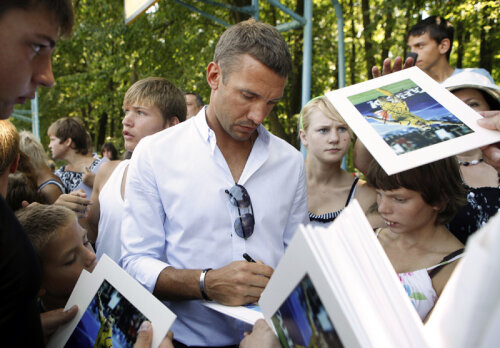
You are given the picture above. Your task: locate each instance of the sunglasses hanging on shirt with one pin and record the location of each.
(239, 197)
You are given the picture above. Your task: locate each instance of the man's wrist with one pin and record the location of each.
(202, 284)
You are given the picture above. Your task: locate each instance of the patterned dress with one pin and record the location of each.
(71, 180)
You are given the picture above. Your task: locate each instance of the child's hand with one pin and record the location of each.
(75, 201)
(261, 336)
(145, 336)
(51, 320)
(491, 153)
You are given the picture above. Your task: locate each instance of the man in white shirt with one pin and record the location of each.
(203, 193)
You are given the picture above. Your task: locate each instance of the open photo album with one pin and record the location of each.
(111, 307)
(406, 119)
(335, 287)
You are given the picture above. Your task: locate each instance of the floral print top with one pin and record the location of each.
(418, 284)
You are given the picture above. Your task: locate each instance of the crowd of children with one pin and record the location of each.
(422, 217)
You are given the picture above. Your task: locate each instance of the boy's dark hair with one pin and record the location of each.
(199, 100)
(62, 9)
(438, 182)
(72, 127)
(438, 29)
(20, 188)
(159, 92)
(493, 103)
(260, 40)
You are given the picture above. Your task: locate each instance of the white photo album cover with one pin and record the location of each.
(335, 287)
(111, 307)
(406, 119)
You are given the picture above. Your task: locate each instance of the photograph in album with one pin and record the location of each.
(407, 117)
(302, 319)
(109, 321)
(111, 308)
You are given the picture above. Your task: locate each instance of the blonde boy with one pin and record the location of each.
(150, 106)
(62, 247)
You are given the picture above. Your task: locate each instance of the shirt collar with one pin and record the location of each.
(208, 135)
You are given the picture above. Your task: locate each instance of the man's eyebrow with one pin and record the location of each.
(275, 100)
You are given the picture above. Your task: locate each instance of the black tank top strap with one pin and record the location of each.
(351, 192)
(444, 262)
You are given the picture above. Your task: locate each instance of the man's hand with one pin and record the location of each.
(387, 69)
(491, 152)
(145, 337)
(51, 320)
(76, 201)
(262, 336)
(238, 283)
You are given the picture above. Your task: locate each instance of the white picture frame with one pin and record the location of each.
(435, 125)
(125, 288)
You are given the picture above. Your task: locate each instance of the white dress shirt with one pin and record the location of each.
(178, 214)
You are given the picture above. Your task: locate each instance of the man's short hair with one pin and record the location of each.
(72, 127)
(41, 223)
(62, 9)
(260, 40)
(159, 92)
(438, 29)
(9, 144)
(199, 100)
(438, 182)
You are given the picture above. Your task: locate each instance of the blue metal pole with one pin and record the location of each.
(340, 42)
(34, 117)
(255, 5)
(307, 60)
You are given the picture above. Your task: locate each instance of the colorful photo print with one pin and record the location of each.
(109, 321)
(302, 320)
(406, 117)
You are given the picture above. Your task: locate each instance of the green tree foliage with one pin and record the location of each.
(96, 66)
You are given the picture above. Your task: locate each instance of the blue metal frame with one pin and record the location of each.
(34, 119)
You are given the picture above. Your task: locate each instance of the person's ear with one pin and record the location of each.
(172, 121)
(444, 46)
(214, 75)
(68, 142)
(303, 137)
(14, 164)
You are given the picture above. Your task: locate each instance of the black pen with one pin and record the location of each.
(248, 257)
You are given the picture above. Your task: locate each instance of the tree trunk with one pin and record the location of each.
(389, 25)
(460, 38)
(489, 40)
(101, 133)
(237, 16)
(352, 61)
(407, 29)
(367, 35)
